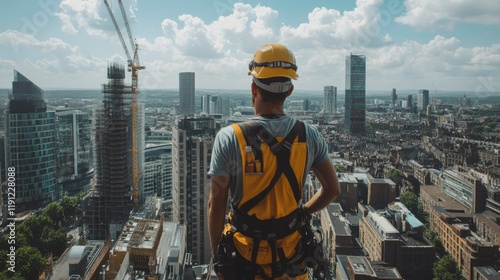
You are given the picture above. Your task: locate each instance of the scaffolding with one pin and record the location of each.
(110, 201)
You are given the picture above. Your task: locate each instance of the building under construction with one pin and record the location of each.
(110, 200)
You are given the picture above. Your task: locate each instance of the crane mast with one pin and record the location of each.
(134, 66)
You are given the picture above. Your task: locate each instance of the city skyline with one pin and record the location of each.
(408, 44)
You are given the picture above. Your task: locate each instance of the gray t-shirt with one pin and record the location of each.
(226, 157)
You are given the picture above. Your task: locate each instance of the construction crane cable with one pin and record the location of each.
(131, 38)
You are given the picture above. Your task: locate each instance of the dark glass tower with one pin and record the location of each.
(355, 92)
(30, 136)
(186, 93)
(423, 100)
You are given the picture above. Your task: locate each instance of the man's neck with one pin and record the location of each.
(269, 110)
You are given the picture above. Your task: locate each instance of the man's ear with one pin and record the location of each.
(289, 91)
(255, 89)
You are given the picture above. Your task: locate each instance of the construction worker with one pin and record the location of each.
(264, 162)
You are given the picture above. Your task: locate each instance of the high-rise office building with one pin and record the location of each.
(355, 94)
(192, 142)
(186, 93)
(205, 103)
(423, 100)
(110, 200)
(330, 99)
(409, 101)
(394, 98)
(30, 145)
(215, 105)
(74, 151)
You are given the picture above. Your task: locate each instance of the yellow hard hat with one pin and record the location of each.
(273, 60)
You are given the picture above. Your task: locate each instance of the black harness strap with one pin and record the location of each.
(282, 153)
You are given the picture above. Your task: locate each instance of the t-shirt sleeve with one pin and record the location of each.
(320, 147)
(220, 161)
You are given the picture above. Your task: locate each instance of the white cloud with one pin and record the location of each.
(361, 27)
(442, 61)
(47, 66)
(92, 17)
(222, 48)
(17, 39)
(160, 44)
(81, 62)
(424, 14)
(245, 29)
(219, 51)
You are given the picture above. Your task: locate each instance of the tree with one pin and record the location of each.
(69, 205)
(7, 275)
(477, 129)
(340, 169)
(53, 241)
(446, 269)
(55, 212)
(433, 237)
(410, 200)
(29, 262)
(369, 128)
(395, 176)
(32, 227)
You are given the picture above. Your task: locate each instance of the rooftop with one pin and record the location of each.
(384, 228)
(138, 234)
(339, 222)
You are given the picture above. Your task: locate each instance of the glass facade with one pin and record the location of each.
(74, 151)
(423, 100)
(186, 93)
(355, 104)
(30, 147)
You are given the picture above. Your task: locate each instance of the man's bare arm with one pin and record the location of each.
(330, 188)
(217, 209)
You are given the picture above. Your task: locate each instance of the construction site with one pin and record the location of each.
(119, 146)
(110, 200)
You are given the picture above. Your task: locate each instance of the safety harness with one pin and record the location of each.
(274, 229)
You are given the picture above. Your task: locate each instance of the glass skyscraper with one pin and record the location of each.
(186, 93)
(355, 92)
(30, 136)
(423, 100)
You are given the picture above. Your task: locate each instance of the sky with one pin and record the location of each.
(446, 45)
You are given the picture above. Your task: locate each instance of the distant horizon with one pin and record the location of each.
(319, 91)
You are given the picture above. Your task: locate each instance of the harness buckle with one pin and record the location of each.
(287, 145)
(293, 223)
(258, 234)
(276, 148)
(271, 236)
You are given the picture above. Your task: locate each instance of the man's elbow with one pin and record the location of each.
(333, 192)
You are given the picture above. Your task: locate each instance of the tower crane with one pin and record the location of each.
(134, 66)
